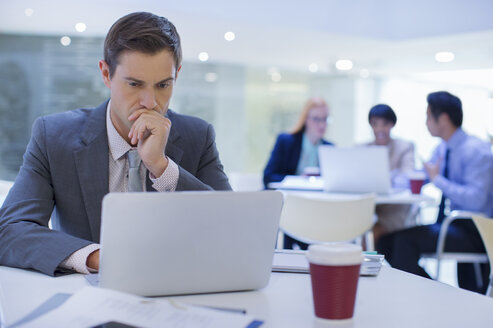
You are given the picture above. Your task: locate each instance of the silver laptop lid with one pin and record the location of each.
(356, 170)
(188, 242)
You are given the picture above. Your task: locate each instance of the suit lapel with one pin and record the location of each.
(172, 150)
(93, 166)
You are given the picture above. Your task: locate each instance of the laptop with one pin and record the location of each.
(355, 170)
(155, 244)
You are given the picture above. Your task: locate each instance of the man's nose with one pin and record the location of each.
(148, 99)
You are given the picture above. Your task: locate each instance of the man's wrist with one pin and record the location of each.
(159, 169)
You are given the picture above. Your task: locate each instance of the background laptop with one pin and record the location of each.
(188, 242)
(355, 170)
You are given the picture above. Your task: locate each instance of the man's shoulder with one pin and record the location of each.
(183, 120)
(70, 123)
(75, 116)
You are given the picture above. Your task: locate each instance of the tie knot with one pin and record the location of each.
(133, 158)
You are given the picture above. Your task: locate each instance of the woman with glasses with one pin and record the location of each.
(296, 152)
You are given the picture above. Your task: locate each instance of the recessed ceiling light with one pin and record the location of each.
(29, 12)
(65, 41)
(344, 64)
(211, 77)
(229, 36)
(80, 27)
(203, 56)
(444, 56)
(364, 73)
(313, 67)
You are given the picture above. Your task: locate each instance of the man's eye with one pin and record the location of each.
(133, 84)
(163, 85)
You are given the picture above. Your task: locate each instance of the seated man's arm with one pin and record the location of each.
(472, 192)
(25, 239)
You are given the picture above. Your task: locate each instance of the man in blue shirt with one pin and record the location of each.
(462, 168)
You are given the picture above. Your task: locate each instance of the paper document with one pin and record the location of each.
(286, 260)
(92, 306)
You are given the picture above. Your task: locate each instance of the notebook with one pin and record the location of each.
(355, 170)
(155, 244)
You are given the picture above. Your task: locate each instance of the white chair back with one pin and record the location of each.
(245, 181)
(4, 189)
(319, 217)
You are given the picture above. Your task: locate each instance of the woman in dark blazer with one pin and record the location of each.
(296, 151)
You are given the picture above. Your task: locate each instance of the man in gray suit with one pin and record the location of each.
(74, 158)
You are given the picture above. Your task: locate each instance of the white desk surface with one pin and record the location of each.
(401, 197)
(393, 299)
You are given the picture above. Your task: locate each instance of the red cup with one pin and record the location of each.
(416, 185)
(416, 181)
(334, 271)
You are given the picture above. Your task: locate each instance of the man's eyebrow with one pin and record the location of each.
(171, 78)
(128, 78)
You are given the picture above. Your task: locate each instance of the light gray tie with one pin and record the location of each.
(134, 180)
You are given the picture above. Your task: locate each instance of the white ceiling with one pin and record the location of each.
(397, 36)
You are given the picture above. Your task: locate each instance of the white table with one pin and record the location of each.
(313, 187)
(401, 197)
(393, 299)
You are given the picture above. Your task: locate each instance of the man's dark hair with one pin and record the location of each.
(443, 102)
(143, 32)
(382, 111)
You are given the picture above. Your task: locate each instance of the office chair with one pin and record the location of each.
(317, 217)
(485, 227)
(245, 181)
(459, 257)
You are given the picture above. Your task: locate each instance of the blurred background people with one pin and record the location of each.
(391, 218)
(462, 168)
(296, 152)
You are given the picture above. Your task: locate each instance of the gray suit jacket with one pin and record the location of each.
(65, 175)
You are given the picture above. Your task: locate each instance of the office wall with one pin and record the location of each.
(247, 108)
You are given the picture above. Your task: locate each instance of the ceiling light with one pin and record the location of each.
(275, 77)
(444, 56)
(229, 36)
(29, 12)
(65, 41)
(210, 77)
(364, 73)
(344, 64)
(313, 67)
(203, 56)
(80, 27)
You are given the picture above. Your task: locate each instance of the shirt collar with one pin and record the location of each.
(456, 139)
(308, 144)
(118, 146)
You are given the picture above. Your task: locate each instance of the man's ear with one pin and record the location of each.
(444, 118)
(178, 70)
(105, 73)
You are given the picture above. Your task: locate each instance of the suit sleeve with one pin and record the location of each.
(209, 174)
(26, 241)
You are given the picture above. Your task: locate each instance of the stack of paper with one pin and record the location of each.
(93, 306)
